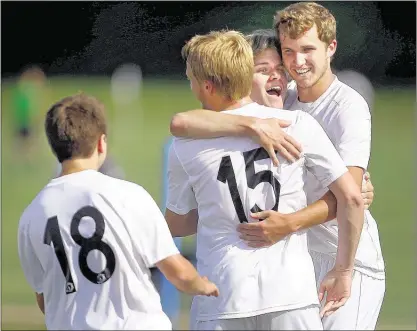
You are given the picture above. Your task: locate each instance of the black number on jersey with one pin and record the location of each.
(227, 175)
(53, 235)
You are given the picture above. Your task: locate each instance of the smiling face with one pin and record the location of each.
(270, 79)
(307, 58)
(307, 34)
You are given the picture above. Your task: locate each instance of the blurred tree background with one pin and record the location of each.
(375, 38)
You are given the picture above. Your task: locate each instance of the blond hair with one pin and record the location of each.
(296, 19)
(224, 58)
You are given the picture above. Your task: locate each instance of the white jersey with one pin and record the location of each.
(87, 242)
(225, 178)
(345, 116)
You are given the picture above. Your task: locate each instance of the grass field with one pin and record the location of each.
(137, 146)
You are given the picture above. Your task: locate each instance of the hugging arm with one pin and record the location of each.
(268, 133)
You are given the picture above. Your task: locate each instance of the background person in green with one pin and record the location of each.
(27, 99)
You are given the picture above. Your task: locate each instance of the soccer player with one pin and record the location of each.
(215, 184)
(307, 33)
(87, 240)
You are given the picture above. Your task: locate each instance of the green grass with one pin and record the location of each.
(137, 146)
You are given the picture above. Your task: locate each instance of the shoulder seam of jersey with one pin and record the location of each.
(179, 160)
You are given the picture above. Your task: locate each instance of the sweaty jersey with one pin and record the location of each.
(345, 117)
(87, 242)
(227, 178)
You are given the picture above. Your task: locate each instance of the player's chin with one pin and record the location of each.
(275, 101)
(306, 83)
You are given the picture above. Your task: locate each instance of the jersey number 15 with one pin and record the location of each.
(227, 175)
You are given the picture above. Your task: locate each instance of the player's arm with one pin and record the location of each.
(319, 212)
(181, 212)
(324, 209)
(201, 123)
(275, 225)
(336, 285)
(350, 208)
(182, 274)
(357, 174)
(182, 225)
(40, 301)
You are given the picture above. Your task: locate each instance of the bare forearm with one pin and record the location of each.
(318, 212)
(190, 283)
(181, 273)
(203, 123)
(350, 213)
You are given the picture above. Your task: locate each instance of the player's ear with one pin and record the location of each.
(209, 87)
(101, 147)
(331, 49)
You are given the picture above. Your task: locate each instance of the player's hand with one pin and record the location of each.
(274, 227)
(269, 134)
(335, 289)
(209, 288)
(367, 191)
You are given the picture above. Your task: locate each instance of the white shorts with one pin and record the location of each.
(307, 318)
(361, 310)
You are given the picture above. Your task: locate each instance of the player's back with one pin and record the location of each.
(231, 177)
(84, 229)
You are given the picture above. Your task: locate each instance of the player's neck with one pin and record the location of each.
(234, 104)
(311, 94)
(77, 165)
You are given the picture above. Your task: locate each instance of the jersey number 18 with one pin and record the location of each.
(53, 235)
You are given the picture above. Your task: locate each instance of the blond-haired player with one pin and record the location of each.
(215, 184)
(307, 34)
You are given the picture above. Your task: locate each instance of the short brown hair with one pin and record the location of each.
(224, 58)
(299, 17)
(74, 125)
